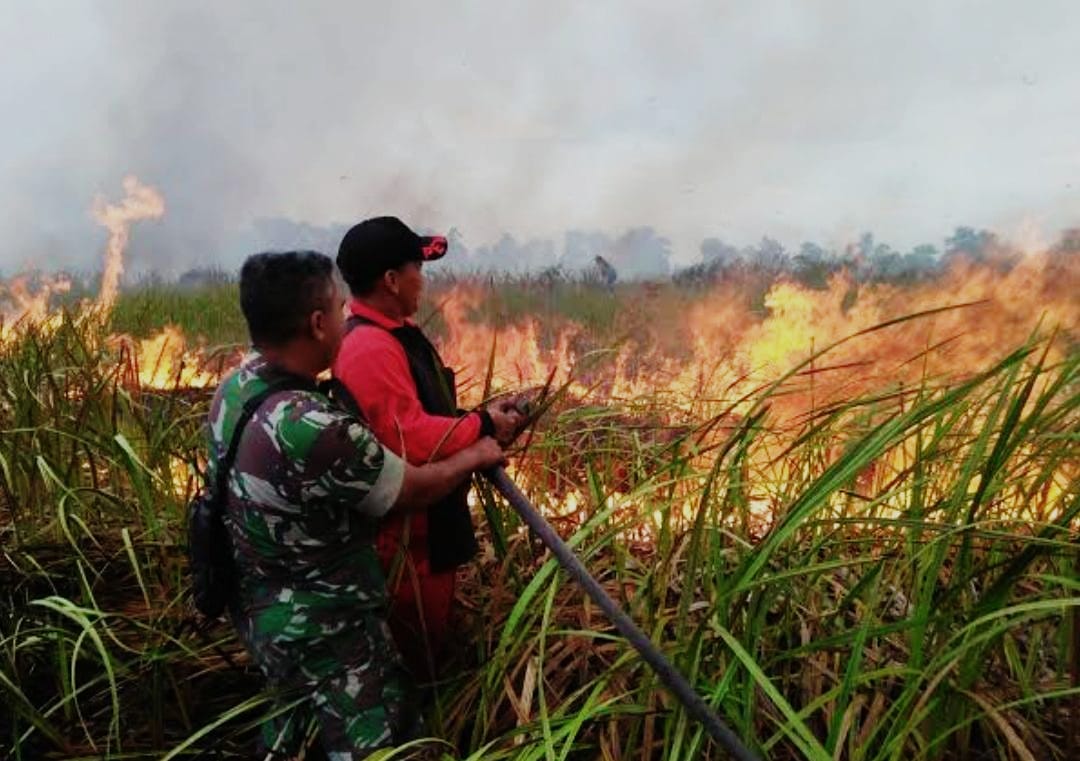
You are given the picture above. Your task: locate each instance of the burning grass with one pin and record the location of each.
(863, 551)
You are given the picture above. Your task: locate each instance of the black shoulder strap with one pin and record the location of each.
(221, 483)
(355, 320)
(434, 381)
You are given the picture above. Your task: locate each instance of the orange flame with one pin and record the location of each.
(140, 202)
(26, 302)
(716, 348)
(694, 358)
(164, 361)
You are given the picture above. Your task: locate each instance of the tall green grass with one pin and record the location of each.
(895, 579)
(210, 312)
(925, 612)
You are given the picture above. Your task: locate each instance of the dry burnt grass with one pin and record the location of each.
(897, 578)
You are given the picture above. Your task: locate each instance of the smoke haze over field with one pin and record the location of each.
(684, 121)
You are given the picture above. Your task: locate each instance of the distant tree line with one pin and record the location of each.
(642, 253)
(867, 260)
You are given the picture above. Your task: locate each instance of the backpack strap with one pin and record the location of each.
(353, 321)
(251, 406)
(434, 381)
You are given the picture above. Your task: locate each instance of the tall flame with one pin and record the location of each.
(160, 361)
(140, 202)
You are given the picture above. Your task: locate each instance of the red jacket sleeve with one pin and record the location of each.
(374, 369)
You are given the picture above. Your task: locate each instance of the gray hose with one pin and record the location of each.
(697, 708)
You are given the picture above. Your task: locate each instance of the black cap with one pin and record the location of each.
(383, 243)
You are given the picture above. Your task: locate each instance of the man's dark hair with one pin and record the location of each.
(360, 283)
(279, 291)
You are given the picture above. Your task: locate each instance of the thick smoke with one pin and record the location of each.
(641, 129)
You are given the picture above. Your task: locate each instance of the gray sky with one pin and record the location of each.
(800, 120)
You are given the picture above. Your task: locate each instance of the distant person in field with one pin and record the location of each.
(408, 397)
(607, 273)
(308, 486)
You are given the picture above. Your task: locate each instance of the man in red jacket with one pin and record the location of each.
(408, 398)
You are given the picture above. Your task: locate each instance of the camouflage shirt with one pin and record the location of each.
(305, 493)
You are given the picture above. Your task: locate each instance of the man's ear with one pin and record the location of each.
(390, 280)
(317, 324)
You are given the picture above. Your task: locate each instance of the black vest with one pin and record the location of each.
(451, 538)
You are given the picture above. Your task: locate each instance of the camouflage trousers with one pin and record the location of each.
(347, 692)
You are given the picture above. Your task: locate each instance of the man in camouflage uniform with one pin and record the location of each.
(306, 491)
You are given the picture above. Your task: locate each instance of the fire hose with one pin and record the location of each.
(695, 706)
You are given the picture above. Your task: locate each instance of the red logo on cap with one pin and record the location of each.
(435, 247)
